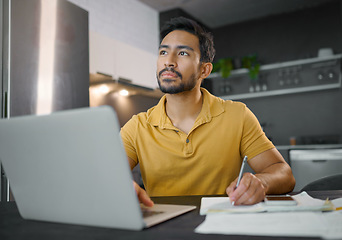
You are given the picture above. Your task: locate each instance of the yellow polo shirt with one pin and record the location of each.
(203, 162)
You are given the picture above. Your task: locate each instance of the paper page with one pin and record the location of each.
(223, 205)
(337, 203)
(305, 224)
(333, 223)
(305, 202)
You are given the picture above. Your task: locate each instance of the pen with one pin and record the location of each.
(240, 174)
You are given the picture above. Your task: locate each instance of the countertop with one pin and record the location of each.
(316, 146)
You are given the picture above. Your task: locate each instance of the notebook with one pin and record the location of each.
(71, 167)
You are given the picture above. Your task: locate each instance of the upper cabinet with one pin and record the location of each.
(121, 60)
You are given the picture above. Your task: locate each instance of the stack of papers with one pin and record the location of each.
(306, 219)
(304, 203)
(304, 224)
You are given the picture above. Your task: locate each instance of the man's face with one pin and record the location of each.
(178, 65)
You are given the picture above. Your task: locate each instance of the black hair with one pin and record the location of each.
(206, 40)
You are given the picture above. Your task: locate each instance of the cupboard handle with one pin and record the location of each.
(319, 161)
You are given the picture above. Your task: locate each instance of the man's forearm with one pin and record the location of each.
(277, 179)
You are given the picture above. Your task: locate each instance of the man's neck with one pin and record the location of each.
(183, 108)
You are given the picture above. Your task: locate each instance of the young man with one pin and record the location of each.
(192, 143)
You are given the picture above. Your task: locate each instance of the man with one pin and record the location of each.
(192, 143)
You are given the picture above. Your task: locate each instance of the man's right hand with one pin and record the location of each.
(142, 195)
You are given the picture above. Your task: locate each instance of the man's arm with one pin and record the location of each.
(272, 176)
(141, 193)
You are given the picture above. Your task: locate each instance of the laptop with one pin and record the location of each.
(71, 167)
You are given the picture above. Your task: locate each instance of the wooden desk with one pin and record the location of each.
(12, 226)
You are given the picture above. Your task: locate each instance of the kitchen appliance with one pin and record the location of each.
(45, 59)
(309, 165)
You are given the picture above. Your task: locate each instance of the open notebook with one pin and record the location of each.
(71, 167)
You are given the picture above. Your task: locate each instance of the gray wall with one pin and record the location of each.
(289, 37)
(126, 107)
(305, 114)
(285, 37)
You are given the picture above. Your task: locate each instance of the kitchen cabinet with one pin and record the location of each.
(101, 54)
(121, 60)
(312, 164)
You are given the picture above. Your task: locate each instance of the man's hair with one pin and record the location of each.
(205, 38)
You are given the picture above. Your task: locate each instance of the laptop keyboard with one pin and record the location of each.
(148, 212)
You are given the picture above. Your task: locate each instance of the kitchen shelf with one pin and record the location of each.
(315, 63)
(281, 92)
(281, 65)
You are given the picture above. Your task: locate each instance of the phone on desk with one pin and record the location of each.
(278, 200)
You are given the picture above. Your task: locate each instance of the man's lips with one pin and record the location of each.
(169, 75)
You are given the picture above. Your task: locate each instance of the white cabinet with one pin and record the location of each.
(313, 164)
(101, 54)
(121, 60)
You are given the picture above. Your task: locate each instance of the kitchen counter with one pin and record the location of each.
(284, 149)
(316, 146)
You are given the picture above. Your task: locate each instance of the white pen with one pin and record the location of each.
(240, 174)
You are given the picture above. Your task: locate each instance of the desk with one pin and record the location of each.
(12, 226)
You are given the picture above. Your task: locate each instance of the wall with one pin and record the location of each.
(288, 37)
(285, 37)
(299, 115)
(127, 21)
(177, 12)
(126, 107)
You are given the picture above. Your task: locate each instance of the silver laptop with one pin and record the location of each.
(71, 167)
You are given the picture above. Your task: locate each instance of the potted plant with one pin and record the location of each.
(251, 63)
(224, 66)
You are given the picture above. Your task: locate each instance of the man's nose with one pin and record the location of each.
(170, 61)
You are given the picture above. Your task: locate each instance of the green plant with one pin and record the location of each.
(251, 63)
(224, 66)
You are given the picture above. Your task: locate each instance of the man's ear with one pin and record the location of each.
(206, 69)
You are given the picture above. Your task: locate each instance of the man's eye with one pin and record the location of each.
(162, 52)
(183, 53)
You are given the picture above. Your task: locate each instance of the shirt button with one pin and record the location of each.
(187, 140)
